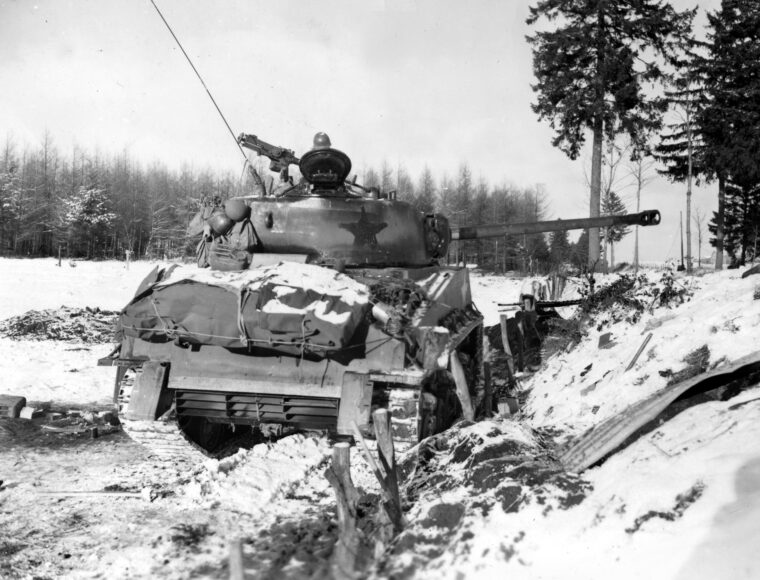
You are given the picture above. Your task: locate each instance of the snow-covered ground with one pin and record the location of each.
(681, 502)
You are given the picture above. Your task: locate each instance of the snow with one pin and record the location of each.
(249, 480)
(60, 371)
(681, 502)
(283, 276)
(38, 284)
(722, 315)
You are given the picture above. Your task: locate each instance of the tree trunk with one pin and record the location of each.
(596, 188)
(719, 219)
(636, 228)
(688, 204)
(596, 153)
(612, 256)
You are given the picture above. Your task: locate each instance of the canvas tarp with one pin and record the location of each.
(287, 307)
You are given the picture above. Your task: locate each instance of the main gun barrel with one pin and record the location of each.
(645, 218)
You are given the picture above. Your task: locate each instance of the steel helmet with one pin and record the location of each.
(236, 209)
(321, 141)
(220, 223)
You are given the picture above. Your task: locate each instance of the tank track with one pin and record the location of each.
(163, 437)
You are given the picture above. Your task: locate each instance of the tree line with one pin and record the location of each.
(89, 205)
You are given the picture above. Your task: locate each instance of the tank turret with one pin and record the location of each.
(330, 220)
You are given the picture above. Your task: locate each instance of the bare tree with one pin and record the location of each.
(611, 182)
(640, 169)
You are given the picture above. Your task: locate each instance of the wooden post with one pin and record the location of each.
(341, 465)
(487, 390)
(505, 345)
(390, 503)
(343, 563)
(463, 392)
(237, 572)
(382, 424)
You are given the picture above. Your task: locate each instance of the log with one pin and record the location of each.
(463, 392)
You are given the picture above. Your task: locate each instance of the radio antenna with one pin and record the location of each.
(210, 96)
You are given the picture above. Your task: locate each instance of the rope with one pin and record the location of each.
(267, 341)
(169, 332)
(240, 320)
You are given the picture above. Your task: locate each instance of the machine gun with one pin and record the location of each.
(279, 157)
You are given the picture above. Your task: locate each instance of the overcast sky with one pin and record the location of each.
(411, 82)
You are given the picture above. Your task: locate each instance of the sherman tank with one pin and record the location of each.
(322, 302)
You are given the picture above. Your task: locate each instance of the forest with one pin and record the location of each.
(87, 205)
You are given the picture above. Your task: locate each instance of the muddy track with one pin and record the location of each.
(79, 507)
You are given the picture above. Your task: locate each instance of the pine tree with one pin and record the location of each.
(579, 251)
(741, 222)
(88, 215)
(591, 69)
(10, 196)
(730, 121)
(425, 198)
(559, 247)
(404, 185)
(387, 180)
(613, 205)
(370, 178)
(681, 148)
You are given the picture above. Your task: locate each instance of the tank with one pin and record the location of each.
(323, 302)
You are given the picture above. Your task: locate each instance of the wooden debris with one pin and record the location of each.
(463, 391)
(367, 455)
(391, 503)
(638, 352)
(508, 406)
(603, 439)
(487, 390)
(605, 340)
(382, 424)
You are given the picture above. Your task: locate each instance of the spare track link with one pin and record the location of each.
(162, 438)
